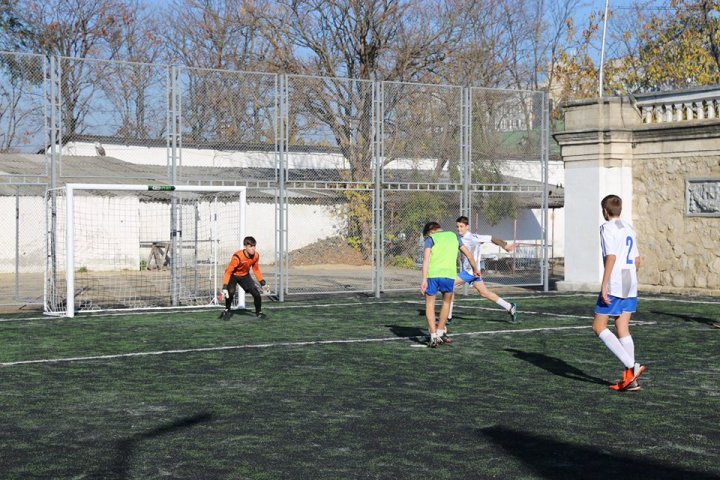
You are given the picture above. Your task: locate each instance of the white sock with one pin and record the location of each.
(503, 304)
(440, 332)
(612, 342)
(629, 346)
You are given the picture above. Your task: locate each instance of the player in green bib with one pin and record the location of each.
(439, 271)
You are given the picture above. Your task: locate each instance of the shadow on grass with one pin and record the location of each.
(555, 366)
(711, 322)
(413, 333)
(421, 313)
(456, 316)
(119, 468)
(242, 314)
(552, 458)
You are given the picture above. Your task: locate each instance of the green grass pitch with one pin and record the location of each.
(341, 388)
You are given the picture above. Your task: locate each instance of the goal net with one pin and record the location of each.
(139, 247)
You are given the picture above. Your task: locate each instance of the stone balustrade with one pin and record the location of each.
(680, 105)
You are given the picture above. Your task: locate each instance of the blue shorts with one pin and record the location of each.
(617, 306)
(444, 285)
(469, 277)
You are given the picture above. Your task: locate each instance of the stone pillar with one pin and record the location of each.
(597, 150)
(665, 167)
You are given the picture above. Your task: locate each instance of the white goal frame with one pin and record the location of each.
(71, 188)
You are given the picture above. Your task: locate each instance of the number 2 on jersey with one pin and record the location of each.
(629, 243)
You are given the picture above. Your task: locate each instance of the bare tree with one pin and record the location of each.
(137, 87)
(71, 28)
(21, 109)
(534, 35)
(395, 40)
(362, 39)
(481, 57)
(217, 34)
(218, 39)
(12, 30)
(359, 40)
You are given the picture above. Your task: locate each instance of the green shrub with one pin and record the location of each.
(401, 262)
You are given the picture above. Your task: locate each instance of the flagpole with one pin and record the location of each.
(602, 51)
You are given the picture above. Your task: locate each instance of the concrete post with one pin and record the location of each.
(597, 150)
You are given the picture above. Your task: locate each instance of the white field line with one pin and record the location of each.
(459, 304)
(283, 344)
(521, 312)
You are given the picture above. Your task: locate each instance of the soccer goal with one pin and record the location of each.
(140, 247)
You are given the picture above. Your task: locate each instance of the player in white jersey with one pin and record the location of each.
(473, 242)
(618, 290)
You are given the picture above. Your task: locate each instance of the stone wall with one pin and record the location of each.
(678, 252)
(645, 149)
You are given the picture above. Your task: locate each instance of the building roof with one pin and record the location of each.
(27, 170)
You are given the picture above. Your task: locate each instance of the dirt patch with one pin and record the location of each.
(333, 250)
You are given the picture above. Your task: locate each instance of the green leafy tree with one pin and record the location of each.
(575, 72)
(674, 48)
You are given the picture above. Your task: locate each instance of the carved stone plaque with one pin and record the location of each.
(702, 197)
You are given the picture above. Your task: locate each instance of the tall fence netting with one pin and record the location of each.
(340, 174)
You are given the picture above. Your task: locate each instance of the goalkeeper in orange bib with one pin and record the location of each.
(238, 273)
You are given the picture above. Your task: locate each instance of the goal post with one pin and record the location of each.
(140, 246)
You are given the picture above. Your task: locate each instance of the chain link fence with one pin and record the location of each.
(341, 174)
(102, 100)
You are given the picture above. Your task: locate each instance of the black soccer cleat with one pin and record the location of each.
(260, 316)
(513, 313)
(226, 314)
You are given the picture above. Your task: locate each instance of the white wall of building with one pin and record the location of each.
(111, 233)
(306, 223)
(29, 242)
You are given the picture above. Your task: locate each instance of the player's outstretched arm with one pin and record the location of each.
(507, 246)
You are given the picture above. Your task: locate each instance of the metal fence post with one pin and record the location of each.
(545, 156)
(378, 210)
(174, 132)
(53, 123)
(281, 209)
(465, 147)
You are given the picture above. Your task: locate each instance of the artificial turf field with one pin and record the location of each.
(342, 388)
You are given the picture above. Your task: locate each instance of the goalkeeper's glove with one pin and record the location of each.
(225, 293)
(265, 287)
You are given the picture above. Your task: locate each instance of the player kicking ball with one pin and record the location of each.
(618, 290)
(473, 242)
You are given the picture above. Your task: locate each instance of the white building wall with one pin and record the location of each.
(29, 242)
(306, 223)
(107, 233)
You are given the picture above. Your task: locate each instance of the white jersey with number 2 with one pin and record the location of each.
(618, 238)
